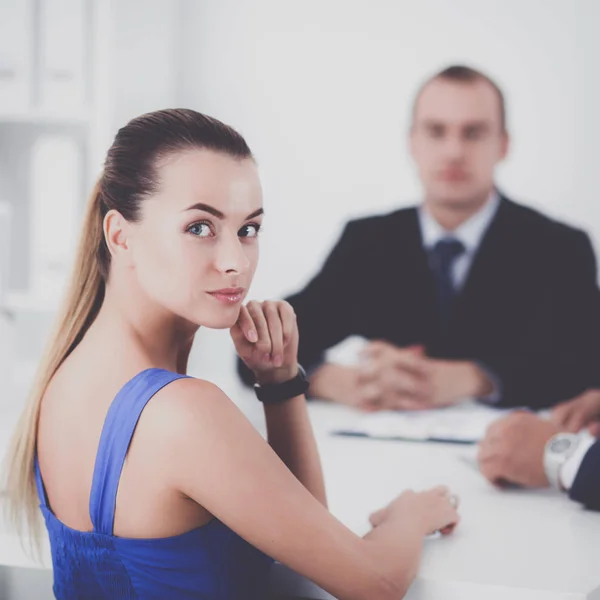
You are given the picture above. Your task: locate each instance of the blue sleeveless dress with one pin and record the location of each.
(210, 562)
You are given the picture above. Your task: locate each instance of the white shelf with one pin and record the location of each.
(44, 117)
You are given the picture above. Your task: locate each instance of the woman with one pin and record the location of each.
(152, 483)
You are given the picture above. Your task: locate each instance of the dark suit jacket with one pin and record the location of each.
(529, 310)
(586, 487)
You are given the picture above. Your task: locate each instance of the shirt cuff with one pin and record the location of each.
(496, 394)
(569, 470)
(347, 352)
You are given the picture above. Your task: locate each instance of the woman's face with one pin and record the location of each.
(195, 249)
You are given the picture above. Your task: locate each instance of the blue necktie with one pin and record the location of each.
(442, 256)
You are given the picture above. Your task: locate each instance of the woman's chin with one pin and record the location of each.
(221, 321)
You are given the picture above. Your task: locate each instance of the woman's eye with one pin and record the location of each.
(200, 229)
(250, 230)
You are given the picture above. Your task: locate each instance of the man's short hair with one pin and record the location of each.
(464, 74)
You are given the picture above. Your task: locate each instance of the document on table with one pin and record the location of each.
(465, 423)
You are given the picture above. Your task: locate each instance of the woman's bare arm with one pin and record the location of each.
(266, 337)
(291, 436)
(217, 458)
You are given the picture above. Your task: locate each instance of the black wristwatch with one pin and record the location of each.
(274, 393)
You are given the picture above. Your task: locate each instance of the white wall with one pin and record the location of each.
(322, 90)
(137, 65)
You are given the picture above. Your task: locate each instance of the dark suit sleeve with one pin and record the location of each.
(558, 356)
(324, 307)
(586, 487)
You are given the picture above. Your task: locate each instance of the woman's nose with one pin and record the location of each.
(231, 257)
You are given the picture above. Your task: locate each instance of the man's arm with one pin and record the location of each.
(586, 485)
(559, 355)
(513, 451)
(324, 307)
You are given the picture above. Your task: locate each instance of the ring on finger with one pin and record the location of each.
(454, 500)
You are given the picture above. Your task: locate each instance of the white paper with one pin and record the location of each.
(466, 422)
(347, 353)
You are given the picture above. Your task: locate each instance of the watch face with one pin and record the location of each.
(560, 445)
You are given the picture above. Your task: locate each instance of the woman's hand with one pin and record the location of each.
(266, 339)
(433, 510)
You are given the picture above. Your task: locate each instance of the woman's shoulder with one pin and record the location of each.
(184, 405)
(187, 393)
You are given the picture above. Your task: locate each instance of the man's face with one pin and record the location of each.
(457, 139)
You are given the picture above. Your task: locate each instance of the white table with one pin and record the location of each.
(517, 545)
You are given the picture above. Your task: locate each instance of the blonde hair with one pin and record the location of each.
(81, 305)
(129, 175)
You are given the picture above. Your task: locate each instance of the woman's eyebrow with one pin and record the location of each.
(217, 213)
(255, 214)
(206, 208)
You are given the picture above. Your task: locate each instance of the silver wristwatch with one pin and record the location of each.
(558, 450)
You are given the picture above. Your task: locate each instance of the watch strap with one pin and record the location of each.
(274, 393)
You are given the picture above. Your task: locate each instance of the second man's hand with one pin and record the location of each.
(579, 413)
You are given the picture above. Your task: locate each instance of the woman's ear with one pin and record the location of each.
(116, 233)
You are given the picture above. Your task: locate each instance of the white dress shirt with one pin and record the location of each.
(569, 470)
(470, 233)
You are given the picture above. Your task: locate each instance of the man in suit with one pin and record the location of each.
(528, 451)
(468, 294)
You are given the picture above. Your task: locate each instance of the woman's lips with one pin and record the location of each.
(228, 295)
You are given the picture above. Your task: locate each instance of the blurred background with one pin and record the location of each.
(322, 91)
